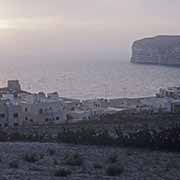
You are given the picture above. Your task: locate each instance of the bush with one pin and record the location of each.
(73, 159)
(114, 170)
(14, 164)
(62, 172)
(87, 136)
(32, 158)
(113, 158)
(55, 162)
(15, 137)
(51, 152)
(3, 136)
(97, 166)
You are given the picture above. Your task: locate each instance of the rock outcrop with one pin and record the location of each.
(163, 50)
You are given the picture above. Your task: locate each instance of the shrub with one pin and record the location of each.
(14, 164)
(34, 168)
(56, 162)
(113, 158)
(114, 170)
(73, 159)
(62, 172)
(172, 164)
(97, 166)
(3, 136)
(51, 152)
(32, 158)
(15, 137)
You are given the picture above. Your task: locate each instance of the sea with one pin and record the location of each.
(92, 79)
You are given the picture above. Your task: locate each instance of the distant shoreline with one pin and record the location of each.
(156, 64)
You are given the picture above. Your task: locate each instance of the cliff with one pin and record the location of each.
(163, 50)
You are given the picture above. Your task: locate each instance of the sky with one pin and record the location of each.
(61, 30)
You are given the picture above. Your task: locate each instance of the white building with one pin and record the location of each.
(150, 104)
(124, 103)
(95, 104)
(39, 109)
(23, 108)
(173, 92)
(78, 115)
(155, 104)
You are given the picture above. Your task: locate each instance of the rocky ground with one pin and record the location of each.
(45, 161)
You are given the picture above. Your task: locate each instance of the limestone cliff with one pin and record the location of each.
(157, 50)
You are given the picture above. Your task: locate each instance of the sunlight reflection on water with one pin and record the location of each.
(94, 79)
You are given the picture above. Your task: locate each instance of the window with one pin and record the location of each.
(26, 109)
(46, 119)
(6, 125)
(16, 124)
(69, 117)
(31, 120)
(40, 111)
(57, 118)
(26, 118)
(15, 115)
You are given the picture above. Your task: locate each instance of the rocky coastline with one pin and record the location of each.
(159, 50)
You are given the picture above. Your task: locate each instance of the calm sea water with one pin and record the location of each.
(93, 79)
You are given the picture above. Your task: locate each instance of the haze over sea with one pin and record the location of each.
(93, 79)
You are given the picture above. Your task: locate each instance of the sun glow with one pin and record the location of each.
(5, 24)
(30, 23)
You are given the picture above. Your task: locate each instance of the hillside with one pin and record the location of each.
(39, 161)
(163, 50)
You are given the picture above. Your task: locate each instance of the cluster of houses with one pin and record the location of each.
(21, 108)
(174, 94)
(18, 107)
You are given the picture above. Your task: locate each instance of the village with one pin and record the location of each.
(21, 108)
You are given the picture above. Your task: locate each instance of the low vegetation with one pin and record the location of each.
(55, 161)
(113, 158)
(13, 164)
(98, 166)
(62, 172)
(150, 138)
(164, 139)
(33, 157)
(51, 152)
(85, 162)
(73, 159)
(114, 170)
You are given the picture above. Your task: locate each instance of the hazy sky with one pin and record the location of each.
(47, 30)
